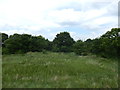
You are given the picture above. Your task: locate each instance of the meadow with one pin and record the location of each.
(58, 70)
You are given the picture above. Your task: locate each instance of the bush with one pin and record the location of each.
(63, 42)
(84, 54)
(79, 48)
(5, 51)
(65, 49)
(44, 51)
(19, 52)
(55, 48)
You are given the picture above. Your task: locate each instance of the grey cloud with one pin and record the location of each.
(69, 23)
(99, 5)
(112, 7)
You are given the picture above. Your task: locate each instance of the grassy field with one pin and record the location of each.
(58, 70)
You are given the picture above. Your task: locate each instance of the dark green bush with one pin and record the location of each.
(5, 51)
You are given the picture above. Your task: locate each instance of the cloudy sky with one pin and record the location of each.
(82, 18)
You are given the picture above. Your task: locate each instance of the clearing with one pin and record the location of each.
(58, 70)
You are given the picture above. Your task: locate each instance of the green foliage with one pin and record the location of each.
(22, 43)
(88, 45)
(80, 48)
(49, 45)
(17, 43)
(55, 48)
(44, 51)
(108, 45)
(5, 51)
(37, 43)
(3, 37)
(96, 48)
(63, 42)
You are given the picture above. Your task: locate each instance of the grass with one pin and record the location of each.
(58, 70)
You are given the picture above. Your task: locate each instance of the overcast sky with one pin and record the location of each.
(82, 18)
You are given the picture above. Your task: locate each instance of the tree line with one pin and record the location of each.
(107, 45)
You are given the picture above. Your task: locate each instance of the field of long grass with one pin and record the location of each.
(58, 70)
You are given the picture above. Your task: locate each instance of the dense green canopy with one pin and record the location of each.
(108, 45)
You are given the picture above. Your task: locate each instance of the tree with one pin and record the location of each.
(63, 42)
(88, 45)
(17, 43)
(49, 45)
(3, 37)
(112, 42)
(96, 46)
(108, 45)
(37, 43)
(22, 43)
(112, 34)
(80, 48)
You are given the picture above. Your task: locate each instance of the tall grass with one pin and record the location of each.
(58, 70)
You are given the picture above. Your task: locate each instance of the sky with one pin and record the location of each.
(83, 19)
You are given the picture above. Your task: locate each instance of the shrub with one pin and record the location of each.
(44, 51)
(5, 51)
